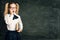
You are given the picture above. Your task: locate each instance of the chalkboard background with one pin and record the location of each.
(41, 19)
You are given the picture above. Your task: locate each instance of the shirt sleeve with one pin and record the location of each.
(8, 20)
(20, 23)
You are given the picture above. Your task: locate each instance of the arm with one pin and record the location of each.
(20, 25)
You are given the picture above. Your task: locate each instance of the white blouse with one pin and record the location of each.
(11, 24)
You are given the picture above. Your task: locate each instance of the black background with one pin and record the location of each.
(41, 19)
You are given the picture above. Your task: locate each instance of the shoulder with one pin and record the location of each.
(6, 15)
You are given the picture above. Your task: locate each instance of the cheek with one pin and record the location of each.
(14, 9)
(10, 10)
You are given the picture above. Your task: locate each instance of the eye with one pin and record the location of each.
(12, 7)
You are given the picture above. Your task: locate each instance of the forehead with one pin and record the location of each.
(13, 5)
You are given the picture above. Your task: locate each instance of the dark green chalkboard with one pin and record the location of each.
(41, 19)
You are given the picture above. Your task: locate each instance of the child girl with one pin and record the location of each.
(13, 21)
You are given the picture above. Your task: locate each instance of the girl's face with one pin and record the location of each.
(12, 8)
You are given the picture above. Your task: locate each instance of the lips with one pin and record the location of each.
(13, 11)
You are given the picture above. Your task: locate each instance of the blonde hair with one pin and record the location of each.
(6, 11)
(7, 7)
